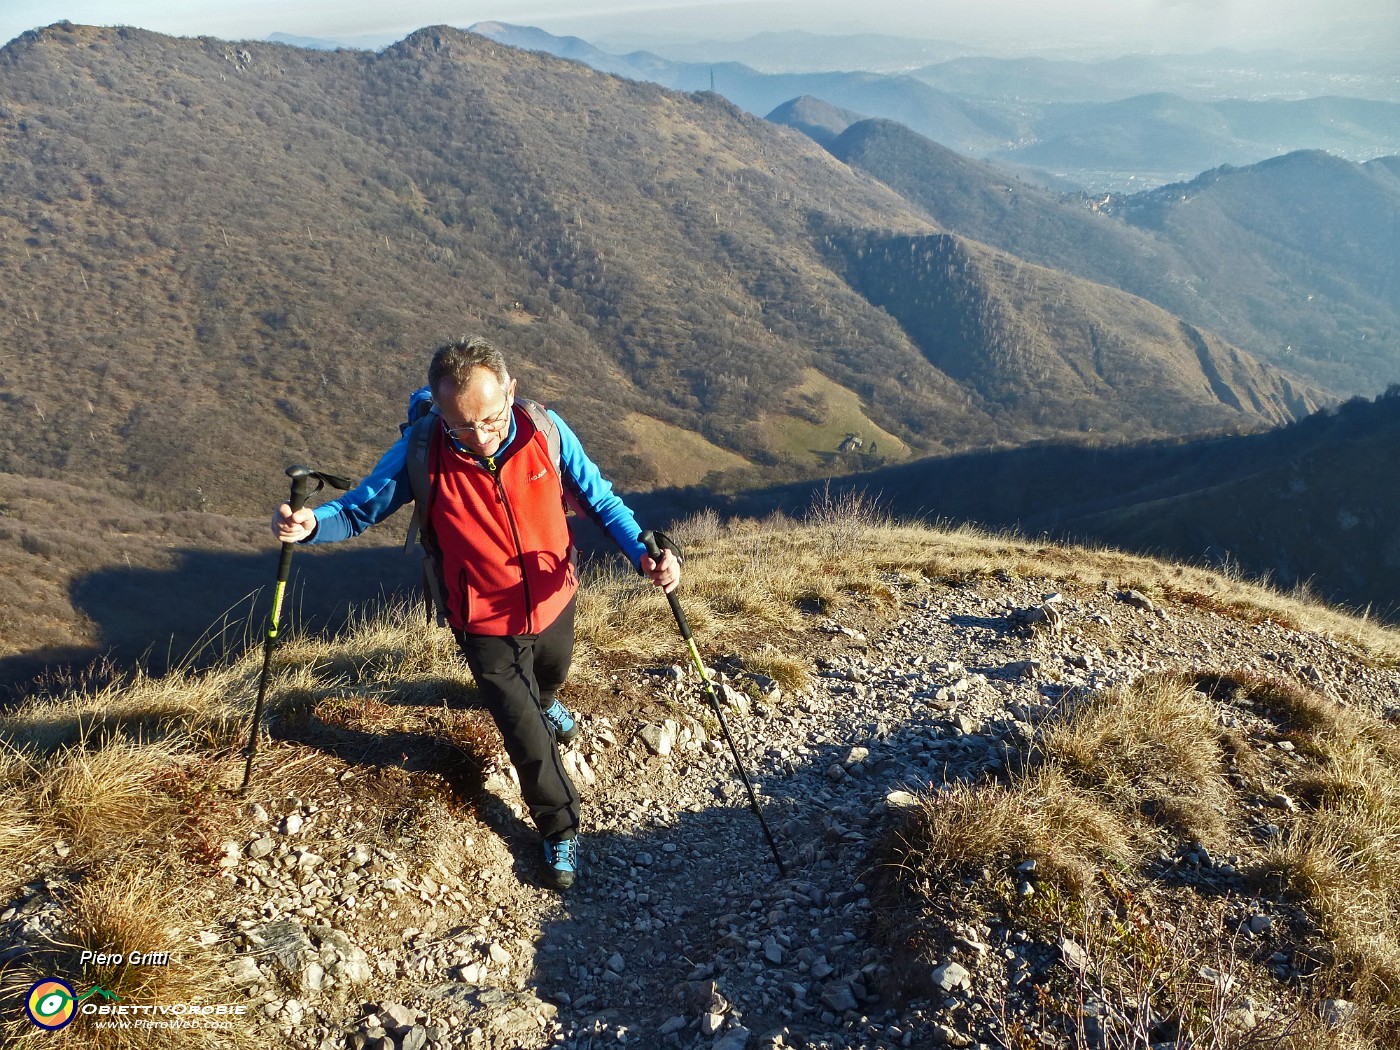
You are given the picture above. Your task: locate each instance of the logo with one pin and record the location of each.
(52, 1004)
(536, 477)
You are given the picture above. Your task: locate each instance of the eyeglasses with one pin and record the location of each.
(495, 424)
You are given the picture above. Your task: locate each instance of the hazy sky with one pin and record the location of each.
(1020, 25)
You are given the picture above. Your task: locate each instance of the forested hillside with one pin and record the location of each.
(222, 257)
(1296, 259)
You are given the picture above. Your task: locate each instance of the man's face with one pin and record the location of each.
(478, 413)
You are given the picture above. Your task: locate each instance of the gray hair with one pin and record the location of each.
(457, 360)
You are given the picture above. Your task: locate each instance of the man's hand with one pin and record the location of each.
(292, 526)
(665, 573)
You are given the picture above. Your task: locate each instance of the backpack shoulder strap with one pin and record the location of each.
(542, 421)
(417, 462)
(420, 482)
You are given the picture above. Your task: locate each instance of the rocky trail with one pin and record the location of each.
(681, 933)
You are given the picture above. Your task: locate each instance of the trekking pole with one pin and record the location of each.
(648, 540)
(302, 480)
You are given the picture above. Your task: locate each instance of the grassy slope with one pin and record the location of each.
(298, 231)
(162, 753)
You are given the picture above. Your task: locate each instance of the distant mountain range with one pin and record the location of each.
(1296, 259)
(1155, 135)
(1071, 120)
(1207, 77)
(978, 72)
(797, 51)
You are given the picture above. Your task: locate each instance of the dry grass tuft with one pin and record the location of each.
(619, 618)
(104, 799)
(130, 913)
(1339, 856)
(21, 834)
(1112, 776)
(1291, 704)
(1152, 746)
(394, 642)
(1044, 817)
(790, 672)
(200, 709)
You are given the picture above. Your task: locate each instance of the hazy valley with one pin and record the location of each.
(1134, 122)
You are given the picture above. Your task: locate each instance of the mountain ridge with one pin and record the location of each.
(1293, 259)
(1156, 136)
(277, 247)
(1298, 506)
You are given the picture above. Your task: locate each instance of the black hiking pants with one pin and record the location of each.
(518, 676)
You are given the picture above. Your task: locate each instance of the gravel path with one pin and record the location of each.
(680, 932)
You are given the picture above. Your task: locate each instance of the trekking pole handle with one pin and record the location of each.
(302, 478)
(305, 481)
(648, 540)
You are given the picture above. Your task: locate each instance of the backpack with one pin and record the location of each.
(422, 418)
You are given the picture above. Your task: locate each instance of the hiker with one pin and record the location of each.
(488, 474)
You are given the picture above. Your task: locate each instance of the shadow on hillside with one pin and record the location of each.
(214, 603)
(211, 604)
(1297, 506)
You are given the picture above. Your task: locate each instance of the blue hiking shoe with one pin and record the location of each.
(561, 862)
(564, 724)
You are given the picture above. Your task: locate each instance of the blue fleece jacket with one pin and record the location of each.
(386, 488)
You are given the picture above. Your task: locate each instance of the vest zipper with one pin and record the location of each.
(493, 468)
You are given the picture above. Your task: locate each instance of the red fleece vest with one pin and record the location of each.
(506, 550)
